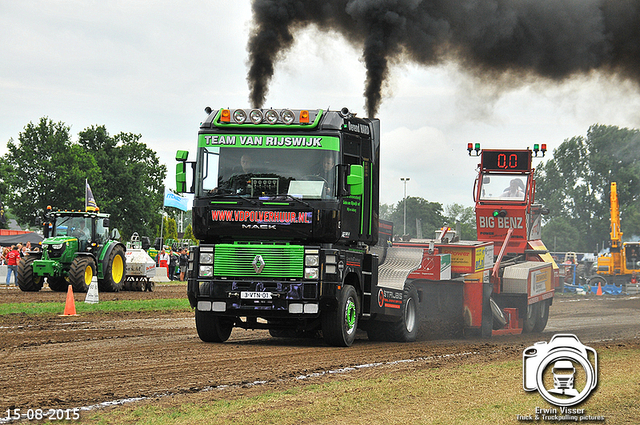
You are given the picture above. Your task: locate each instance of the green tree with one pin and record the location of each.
(429, 215)
(46, 168)
(130, 185)
(575, 186)
(170, 228)
(188, 234)
(465, 216)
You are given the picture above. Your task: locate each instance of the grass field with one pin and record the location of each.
(120, 305)
(488, 393)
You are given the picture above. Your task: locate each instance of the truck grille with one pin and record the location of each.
(278, 261)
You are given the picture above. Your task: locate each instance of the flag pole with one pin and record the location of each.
(162, 220)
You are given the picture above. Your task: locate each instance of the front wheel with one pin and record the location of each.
(213, 328)
(339, 326)
(27, 280)
(81, 273)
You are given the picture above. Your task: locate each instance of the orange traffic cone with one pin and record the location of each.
(70, 305)
(599, 292)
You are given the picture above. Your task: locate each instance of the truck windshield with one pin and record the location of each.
(504, 187)
(267, 173)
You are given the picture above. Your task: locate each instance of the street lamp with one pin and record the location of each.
(405, 180)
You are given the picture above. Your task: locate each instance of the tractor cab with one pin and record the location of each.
(505, 199)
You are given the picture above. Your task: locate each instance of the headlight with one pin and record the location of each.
(57, 246)
(239, 116)
(271, 116)
(255, 116)
(206, 258)
(287, 116)
(310, 273)
(312, 260)
(206, 271)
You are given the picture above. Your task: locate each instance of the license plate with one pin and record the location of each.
(245, 295)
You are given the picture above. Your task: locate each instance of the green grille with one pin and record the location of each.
(280, 261)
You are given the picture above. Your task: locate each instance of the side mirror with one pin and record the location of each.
(115, 235)
(181, 171)
(355, 180)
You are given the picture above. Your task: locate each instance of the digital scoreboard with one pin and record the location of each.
(506, 160)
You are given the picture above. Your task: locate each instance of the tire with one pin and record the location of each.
(58, 283)
(543, 316)
(81, 273)
(339, 326)
(594, 280)
(114, 271)
(27, 280)
(150, 285)
(406, 330)
(530, 318)
(213, 328)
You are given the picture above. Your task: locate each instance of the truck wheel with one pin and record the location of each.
(543, 316)
(114, 271)
(27, 280)
(58, 284)
(81, 273)
(339, 326)
(406, 330)
(213, 328)
(530, 318)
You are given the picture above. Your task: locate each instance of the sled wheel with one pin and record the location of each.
(27, 280)
(530, 318)
(339, 325)
(543, 316)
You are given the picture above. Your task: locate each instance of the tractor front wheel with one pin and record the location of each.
(81, 273)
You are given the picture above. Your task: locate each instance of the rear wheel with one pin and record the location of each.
(114, 271)
(339, 326)
(213, 328)
(27, 280)
(81, 273)
(58, 283)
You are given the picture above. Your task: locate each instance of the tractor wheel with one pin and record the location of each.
(213, 328)
(543, 316)
(27, 280)
(406, 329)
(114, 271)
(530, 318)
(81, 273)
(339, 326)
(57, 284)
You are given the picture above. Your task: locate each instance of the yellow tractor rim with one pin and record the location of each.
(117, 269)
(88, 275)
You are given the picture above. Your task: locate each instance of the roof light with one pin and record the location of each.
(287, 116)
(304, 117)
(255, 116)
(271, 116)
(239, 116)
(469, 147)
(225, 116)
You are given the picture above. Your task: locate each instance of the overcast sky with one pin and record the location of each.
(151, 67)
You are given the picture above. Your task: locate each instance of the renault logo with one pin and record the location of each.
(258, 264)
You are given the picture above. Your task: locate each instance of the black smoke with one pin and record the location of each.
(495, 40)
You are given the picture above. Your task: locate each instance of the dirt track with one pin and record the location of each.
(59, 362)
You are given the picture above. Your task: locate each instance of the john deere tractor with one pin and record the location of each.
(77, 247)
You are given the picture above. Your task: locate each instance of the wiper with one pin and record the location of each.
(293, 198)
(227, 192)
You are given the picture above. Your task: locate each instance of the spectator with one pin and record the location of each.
(173, 262)
(12, 264)
(184, 262)
(163, 260)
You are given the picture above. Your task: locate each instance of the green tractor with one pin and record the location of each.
(77, 247)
